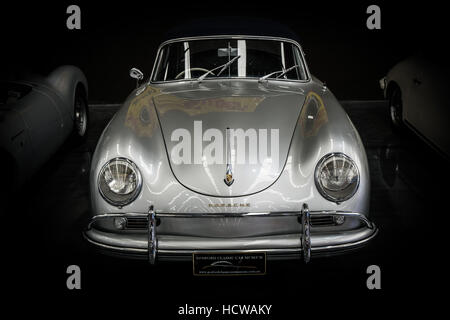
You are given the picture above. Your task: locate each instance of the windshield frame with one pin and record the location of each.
(233, 37)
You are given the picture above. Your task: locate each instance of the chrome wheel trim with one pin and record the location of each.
(80, 117)
(395, 106)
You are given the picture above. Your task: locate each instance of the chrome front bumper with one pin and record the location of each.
(151, 246)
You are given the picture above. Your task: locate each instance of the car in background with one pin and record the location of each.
(417, 90)
(36, 116)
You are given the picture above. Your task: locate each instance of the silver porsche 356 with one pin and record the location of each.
(231, 147)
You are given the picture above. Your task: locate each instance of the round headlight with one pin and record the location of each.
(119, 181)
(337, 177)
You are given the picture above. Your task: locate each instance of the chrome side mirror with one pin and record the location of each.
(136, 74)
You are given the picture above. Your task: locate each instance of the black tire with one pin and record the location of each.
(396, 108)
(81, 116)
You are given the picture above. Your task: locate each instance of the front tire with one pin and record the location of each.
(396, 108)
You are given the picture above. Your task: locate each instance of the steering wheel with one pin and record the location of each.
(192, 69)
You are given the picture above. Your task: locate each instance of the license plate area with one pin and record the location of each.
(229, 263)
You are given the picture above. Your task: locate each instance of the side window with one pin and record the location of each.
(170, 63)
(175, 59)
(299, 61)
(291, 57)
(161, 65)
(289, 61)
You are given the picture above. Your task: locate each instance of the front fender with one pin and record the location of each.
(324, 127)
(65, 80)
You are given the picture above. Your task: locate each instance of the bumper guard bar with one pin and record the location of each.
(305, 216)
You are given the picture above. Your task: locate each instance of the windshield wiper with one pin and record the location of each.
(281, 73)
(223, 66)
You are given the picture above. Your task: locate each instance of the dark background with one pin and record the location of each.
(116, 36)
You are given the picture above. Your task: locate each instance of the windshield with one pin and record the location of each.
(253, 58)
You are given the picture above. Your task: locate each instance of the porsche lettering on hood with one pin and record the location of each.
(240, 138)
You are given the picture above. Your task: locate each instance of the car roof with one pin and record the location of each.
(231, 26)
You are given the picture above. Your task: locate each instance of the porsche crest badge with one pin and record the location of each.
(229, 173)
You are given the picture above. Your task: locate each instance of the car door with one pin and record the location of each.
(411, 97)
(428, 108)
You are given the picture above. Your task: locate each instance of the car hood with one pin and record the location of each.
(253, 150)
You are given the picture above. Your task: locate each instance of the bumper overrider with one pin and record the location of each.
(151, 246)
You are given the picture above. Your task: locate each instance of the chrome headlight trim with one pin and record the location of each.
(319, 185)
(132, 195)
